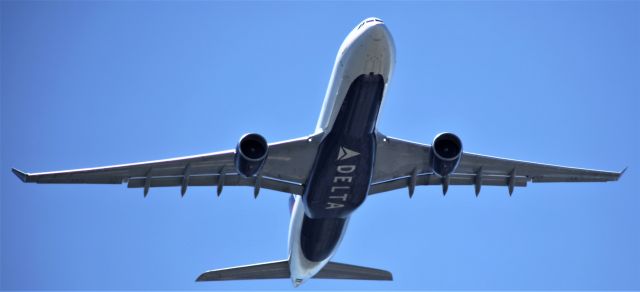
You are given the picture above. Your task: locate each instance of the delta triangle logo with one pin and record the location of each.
(346, 153)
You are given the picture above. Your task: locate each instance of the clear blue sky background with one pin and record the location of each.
(99, 83)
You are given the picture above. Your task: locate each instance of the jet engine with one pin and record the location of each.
(251, 153)
(446, 152)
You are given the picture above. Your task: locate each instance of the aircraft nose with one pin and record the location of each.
(369, 48)
(379, 32)
(374, 30)
(371, 21)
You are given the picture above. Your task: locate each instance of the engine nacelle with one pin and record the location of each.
(446, 152)
(251, 153)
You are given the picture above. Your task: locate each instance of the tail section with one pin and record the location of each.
(270, 270)
(280, 270)
(335, 270)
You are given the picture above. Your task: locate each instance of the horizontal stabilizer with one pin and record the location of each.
(280, 270)
(335, 270)
(270, 270)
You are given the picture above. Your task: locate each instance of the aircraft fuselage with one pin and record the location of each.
(339, 181)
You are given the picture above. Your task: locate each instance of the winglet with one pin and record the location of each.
(622, 172)
(21, 175)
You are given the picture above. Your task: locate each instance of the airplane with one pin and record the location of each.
(330, 172)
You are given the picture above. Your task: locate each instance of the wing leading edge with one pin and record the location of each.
(405, 164)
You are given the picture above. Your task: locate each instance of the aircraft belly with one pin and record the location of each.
(319, 238)
(344, 164)
(367, 51)
(300, 267)
(311, 246)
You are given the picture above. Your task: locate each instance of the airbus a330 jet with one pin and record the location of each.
(331, 172)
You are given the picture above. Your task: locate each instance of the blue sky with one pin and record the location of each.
(98, 83)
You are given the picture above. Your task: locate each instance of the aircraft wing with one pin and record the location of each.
(405, 164)
(287, 165)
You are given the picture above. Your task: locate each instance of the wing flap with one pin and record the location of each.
(231, 179)
(454, 179)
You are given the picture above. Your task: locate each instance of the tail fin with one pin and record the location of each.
(280, 270)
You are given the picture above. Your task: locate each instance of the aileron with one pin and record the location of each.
(537, 172)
